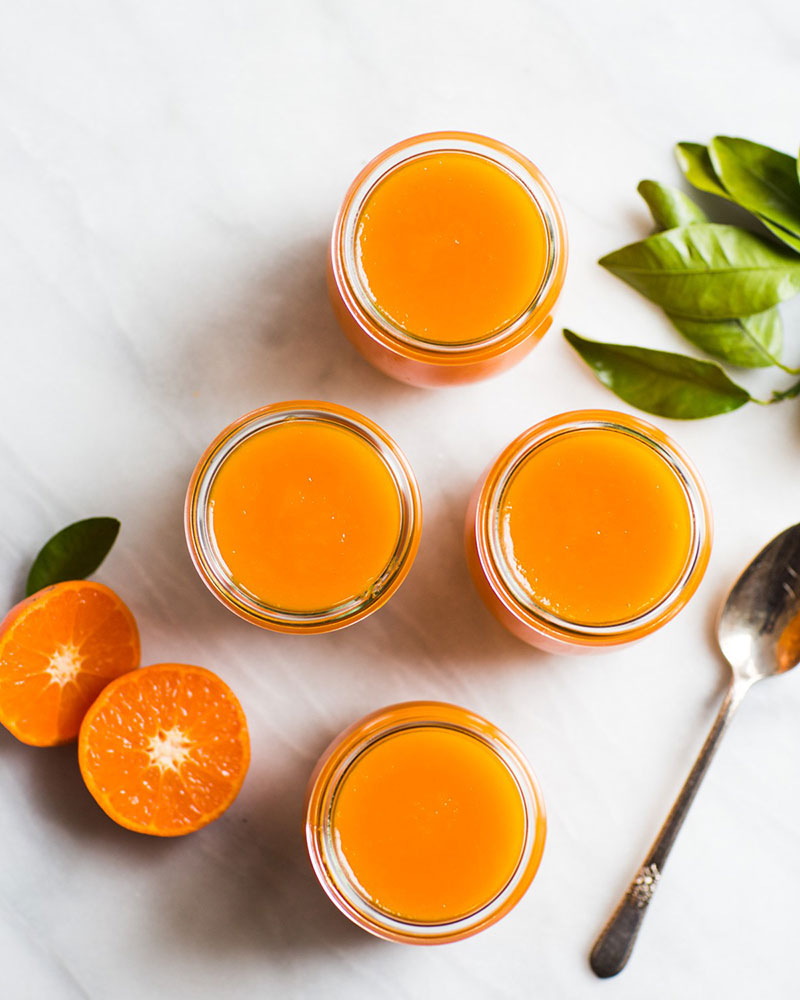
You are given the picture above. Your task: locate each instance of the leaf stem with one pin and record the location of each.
(778, 395)
(790, 393)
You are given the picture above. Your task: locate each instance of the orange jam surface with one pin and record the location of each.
(452, 247)
(305, 515)
(431, 824)
(595, 527)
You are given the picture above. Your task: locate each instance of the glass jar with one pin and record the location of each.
(497, 577)
(328, 849)
(400, 485)
(412, 358)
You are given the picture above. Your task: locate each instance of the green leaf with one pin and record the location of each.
(708, 271)
(790, 239)
(695, 163)
(669, 206)
(669, 385)
(748, 342)
(74, 553)
(762, 180)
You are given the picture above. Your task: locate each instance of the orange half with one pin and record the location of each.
(165, 750)
(58, 650)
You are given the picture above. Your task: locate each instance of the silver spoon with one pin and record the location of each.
(759, 634)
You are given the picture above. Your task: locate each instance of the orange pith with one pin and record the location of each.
(165, 750)
(58, 649)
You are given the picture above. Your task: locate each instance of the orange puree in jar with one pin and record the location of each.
(430, 823)
(305, 514)
(452, 247)
(595, 526)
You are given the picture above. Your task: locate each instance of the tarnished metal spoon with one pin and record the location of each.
(759, 635)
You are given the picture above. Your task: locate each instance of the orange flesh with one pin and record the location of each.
(58, 649)
(164, 750)
(306, 515)
(431, 824)
(452, 247)
(595, 527)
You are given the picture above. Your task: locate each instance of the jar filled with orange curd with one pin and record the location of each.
(447, 257)
(590, 530)
(303, 516)
(424, 823)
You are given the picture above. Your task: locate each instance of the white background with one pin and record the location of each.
(169, 172)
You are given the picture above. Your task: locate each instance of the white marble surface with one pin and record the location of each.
(169, 170)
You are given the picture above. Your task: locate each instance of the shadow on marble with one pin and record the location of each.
(177, 615)
(18, 579)
(244, 883)
(273, 336)
(250, 885)
(437, 620)
(58, 794)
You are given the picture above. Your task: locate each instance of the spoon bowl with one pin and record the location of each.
(759, 634)
(759, 626)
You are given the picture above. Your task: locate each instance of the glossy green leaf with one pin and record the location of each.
(790, 239)
(695, 163)
(708, 271)
(669, 385)
(669, 206)
(762, 180)
(748, 342)
(74, 553)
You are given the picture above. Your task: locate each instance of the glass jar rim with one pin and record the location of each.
(345, 234)
(494, 560)
(340, 884)
(209, 562)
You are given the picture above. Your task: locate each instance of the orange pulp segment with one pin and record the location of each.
(431, 824)
(58, 649)
(452, 247)
(306, 515)
(165, 750)
(595, 526)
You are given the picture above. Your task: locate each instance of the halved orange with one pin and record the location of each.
(165, 750)
(58, 649)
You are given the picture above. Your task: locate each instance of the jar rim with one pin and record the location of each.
(352, 285)
(494, 560)
(331, 771)
(209, 562)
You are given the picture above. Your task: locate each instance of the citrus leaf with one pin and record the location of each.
(695, 163)
(669, 206)
(790, 239)
(669, 385)
(694, 160)
(762, 180)
(749, 342)
(708, 271)
(74, 553)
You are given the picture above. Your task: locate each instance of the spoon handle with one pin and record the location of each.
(614, 945)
